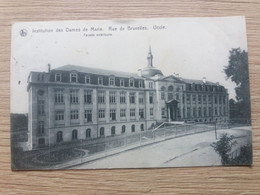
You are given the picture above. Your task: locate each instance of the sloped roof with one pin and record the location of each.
(191, 81)
(98, 71)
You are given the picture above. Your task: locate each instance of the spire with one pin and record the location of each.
(150, 57)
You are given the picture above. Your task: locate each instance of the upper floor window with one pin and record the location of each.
(122, 112)
(112, 97)
(131, 83)
(150, 85)
(57, 77)
(224, 99)
(87, 79)
(59, 96)
(141, 113)
(122, 97)
(151, 111)
(88, 115)
(74, 114)
(101, 97)
(194, 98)
(100, 80)
(113, 114)
(101, 113)
(151, 98)
(40, 77)
(59, 115)
(162, 93)
(41, 107)
(132, 97)
(41, 127)
(88, 97)
(112, 81)
(132, 112)
(73, 77)
(140, 84)
(122, 82)
(141, 98)
(74, 98)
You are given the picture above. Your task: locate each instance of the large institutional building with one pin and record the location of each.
(75, 102)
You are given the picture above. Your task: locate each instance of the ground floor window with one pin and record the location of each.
(88, 133)
(133, 128)
(102, 131)
(41, 141)
(113, 130)
(59, 137)
(74, 134)
(123, 129)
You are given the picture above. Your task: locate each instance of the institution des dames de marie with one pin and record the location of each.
(75, 102)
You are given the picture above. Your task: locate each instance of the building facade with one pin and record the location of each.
(74, 102)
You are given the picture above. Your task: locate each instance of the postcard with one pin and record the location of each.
(133, 93)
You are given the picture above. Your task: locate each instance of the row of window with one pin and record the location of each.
(74, 134)
(194, 112)
(74, 97)
(74, 114)
(87, 80)
(198, 87)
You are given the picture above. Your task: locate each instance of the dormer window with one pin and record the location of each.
(112, 81)
(150, 85)
(87, 79)
(140, 84)
(100, 80)
(131, 83)
(58, 77)
(73, 77)
(122, 83)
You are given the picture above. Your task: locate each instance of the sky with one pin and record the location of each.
(191, 47)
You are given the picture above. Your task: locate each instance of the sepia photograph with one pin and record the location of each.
(133, 93)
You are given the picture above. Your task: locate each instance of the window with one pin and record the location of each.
(58, 77)
(131, 83)
(74, 97)
(142, 127)
(112, 81)
(224, 109)
(188, 98)
(102, 131)
(74, 134)
(113, 130)
(59, 96)
(100, 80)
(113, 114)
(101, 113)
(59, 115)
(88, 97)
(183, 98)
(204, 99)
(133, 128)
(177, 96)
(205, 111)
(74, 114)
(132, 112)
(220, 111)
(41, 107)
(41, 127)
(73, 77)
(224, 99)
(199, 99)
(141, 98)
(141, 113)
(209, 98)
(122, 97)
(41, 141)
(170, 93)
(163, 113)
(140, 84)
(122, 82)
(199, 111)
(101, 97)
(87, 79)
(215, 99)
(59, 137)
(194, 112)
(88, 133)
(194, 98)
(188, 112)
(216, 111)
(123, 129)
(151, 85)
(210, 111)
(151, 98)
(220, 99)
(162, 93)
(40, 77)
(123, 113)
(88, 115)
(112, 97)
(132, 97)
(151, 111)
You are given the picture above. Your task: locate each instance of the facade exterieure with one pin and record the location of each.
(74, 102)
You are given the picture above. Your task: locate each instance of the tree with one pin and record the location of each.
(223, 147)
(237, 71)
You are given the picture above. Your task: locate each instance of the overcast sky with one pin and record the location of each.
(191, 47)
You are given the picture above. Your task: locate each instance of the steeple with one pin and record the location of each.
(150, 57)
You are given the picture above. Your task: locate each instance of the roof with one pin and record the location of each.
(191, 81)
(98, 71)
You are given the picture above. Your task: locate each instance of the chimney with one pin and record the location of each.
(204, 79)
(49, 68)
